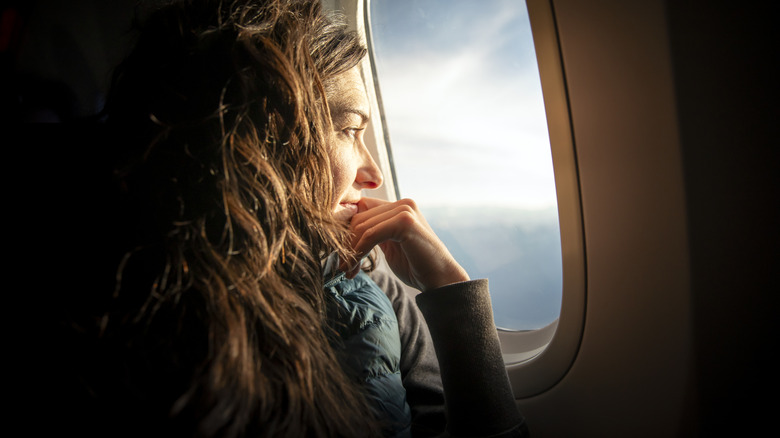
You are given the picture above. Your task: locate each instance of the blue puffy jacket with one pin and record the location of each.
(363, 318)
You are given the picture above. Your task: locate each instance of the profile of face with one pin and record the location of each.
(351, 163)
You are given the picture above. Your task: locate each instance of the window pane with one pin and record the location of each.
(463, 104)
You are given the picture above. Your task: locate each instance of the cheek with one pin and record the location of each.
(343, 173)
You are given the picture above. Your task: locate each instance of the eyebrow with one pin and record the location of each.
(359, 112)
(342, 111)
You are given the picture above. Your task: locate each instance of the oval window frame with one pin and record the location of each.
(536, 359)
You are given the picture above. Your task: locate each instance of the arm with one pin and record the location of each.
(478, 396)
(476, 387)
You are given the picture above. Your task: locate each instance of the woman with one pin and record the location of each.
(240, 169)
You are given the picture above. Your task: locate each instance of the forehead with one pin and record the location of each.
(346, 93)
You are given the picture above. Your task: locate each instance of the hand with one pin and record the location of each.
(411, 248)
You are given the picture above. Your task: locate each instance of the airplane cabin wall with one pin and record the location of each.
(630, 377)
(678, 192)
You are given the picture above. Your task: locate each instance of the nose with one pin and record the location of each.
(368, 175)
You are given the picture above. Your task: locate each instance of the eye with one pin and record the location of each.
(352, 133)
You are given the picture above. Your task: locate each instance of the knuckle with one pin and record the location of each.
(409, 203)
(406, 210)
(368, 235)
(358, 230)
(407, 217)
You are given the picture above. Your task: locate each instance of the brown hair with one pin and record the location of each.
(223, 127)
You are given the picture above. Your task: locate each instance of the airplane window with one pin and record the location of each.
(466, 122)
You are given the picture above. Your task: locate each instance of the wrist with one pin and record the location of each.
(455, 275)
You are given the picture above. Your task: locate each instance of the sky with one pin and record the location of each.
(461, 93)
(468, 134)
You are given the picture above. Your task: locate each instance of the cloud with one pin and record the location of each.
(464, 107)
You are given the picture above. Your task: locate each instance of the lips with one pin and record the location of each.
(353, 206)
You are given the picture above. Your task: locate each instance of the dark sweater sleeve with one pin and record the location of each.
(478, 396)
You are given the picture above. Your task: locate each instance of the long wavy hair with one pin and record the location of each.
(222, 126)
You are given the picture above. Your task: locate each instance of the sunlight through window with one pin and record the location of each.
(463, 104)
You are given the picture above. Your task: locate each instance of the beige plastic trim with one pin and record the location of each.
(535, 373)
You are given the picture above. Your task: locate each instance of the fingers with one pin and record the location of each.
(397, 226)
(398, 215)
(368, 207)
(381, 221)
(369, 203)
(377, 205)
(412, 249)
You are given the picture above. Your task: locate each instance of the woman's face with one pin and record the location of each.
(351, 163)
